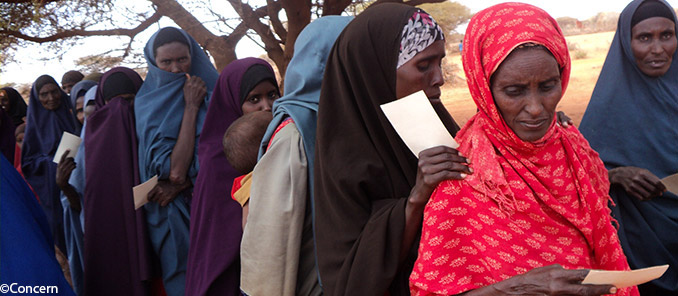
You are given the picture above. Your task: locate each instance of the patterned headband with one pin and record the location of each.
(419, 33)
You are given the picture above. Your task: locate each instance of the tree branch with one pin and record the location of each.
(271, 44)
(77, 32)
(43, 2)
(238, 32)
(419, 2)
(335, 7)
(298, 16)
(272, 11)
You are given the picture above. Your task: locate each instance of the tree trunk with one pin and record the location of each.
(298, 16)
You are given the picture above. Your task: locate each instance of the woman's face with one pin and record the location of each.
(261, 97)
(4, 100)
(422, 72)
(79, 112)
(68, 86)
(50, 96)
(173, 57)
(526, 89)
(653, 42)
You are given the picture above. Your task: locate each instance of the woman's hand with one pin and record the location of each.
(194, 91)
(638, 182)
(436, 165)
(63, 174)
(564, 120)
(165, 192)
(64, 169)
(547, 280)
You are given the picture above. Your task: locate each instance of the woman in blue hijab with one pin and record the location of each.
(631, 121)
(71, 179)
(26, 247)
(78, 94)
(278, 254)
(170, 110)
(49, 115)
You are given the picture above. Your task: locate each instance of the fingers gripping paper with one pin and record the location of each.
(623, 279)
(141, 192)
(417, 123)
(68, 142)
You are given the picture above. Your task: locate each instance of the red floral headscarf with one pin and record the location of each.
(491, 37)
(528, 204)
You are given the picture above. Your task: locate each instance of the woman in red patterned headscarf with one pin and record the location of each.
(533, 218)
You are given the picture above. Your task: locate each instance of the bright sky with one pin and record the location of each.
(28, 66)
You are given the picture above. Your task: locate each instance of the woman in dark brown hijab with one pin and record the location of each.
(370, 189)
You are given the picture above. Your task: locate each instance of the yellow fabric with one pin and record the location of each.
(242, 196)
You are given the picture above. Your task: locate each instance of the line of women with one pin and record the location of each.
(338, 204)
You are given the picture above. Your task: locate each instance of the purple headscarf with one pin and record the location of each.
(216, 220)
(117, 244)
(44, 129)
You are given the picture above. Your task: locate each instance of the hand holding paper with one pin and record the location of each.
(68, 142)
(141, 192)
(623, 279)
(417, 123)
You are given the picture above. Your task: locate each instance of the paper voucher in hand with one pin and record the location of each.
(671, 183)
(141, 191)
(68, 141)
(623, 279)
(417, 123)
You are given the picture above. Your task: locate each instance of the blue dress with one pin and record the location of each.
(26, 245)
(631, 120)
(159, 106)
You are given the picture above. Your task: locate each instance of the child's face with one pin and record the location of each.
(20, 139)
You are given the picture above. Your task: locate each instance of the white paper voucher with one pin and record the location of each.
(623, 279)
(141, 191)
(417, 123)
(68, 141)
(671, 183)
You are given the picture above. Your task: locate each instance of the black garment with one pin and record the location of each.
(17, 106)
(363, 170)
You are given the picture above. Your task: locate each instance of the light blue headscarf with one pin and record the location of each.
(302, 83)
(159, 108)
(74, 223)
(77, 179)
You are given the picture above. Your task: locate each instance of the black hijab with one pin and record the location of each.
(17, 106)
(252, 77)
(7, 139)
(363, 170)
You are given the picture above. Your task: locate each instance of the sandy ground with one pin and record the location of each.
(583, 79)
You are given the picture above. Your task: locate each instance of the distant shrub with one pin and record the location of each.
(576, 52)
(580, 54)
